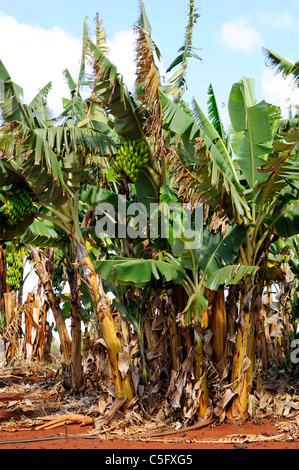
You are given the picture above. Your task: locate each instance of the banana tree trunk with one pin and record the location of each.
(76, 357)
(201, 375)
(238, 377)
(245, 347)
(4, 289)
(123, 384)
(173, 331)
(53, 302)
(219, 325)
(144, 374)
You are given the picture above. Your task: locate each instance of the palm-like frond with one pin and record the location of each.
(177, 82)
(282, 66)
(281, 169)
(12, 108)
(144, 24)
(148, 90)
(198, 184)
(110, 91)
(215, 174)
(39, 106)
(213, 113)
(43, 235)
(54, 149)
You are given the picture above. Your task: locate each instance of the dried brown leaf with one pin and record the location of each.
(123, 363)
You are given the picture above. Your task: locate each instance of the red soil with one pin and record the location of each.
(38, 439)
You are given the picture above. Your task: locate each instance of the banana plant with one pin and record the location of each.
(208, 266)
(63, 154)
(252, 181)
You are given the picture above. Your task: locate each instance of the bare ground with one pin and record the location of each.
(34, 415)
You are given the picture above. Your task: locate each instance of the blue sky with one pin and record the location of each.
(39, 39)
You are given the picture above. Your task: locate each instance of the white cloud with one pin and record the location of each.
(240, 37)
(279, 91)
(34, 56)
(122, 54)
(278, 20)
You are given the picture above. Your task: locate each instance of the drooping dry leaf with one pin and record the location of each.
(123, 363)
(102, 405)
(226, 398)
(175, 401)
(101, 341)
(259, 387)
(245, 364)
(110, 414)
(158, 323)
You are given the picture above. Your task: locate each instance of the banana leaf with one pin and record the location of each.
(11, 103)
(139, 271)
(43, 235)
(232, 274)
(217, 248)
(256, 125)
(218, 155)
(285, 221)
(283, 66)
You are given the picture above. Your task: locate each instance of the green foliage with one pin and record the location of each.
(231, 274)
(256, 125)
(140, 272)
(177, 83)
(283, 66)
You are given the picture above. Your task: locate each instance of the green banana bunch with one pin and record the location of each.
(132, 156)
(14, 268)
(57, 275)
(57, 280)
(18, 207)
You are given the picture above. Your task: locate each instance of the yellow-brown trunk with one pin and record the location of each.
(219, 325)
(123, 385)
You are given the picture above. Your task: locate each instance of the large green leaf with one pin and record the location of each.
(143, 22)
(139, 271)
(216, 168)
(42, 234)
(286, 220)
(232, 274)
(218, 248)
(39, 106)
(255, 125)
(255, 143)
(214, 114)
(185, 251)
(11, 105)
(241, 96)
(185, 126)
(217, 148)
(41, 182)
